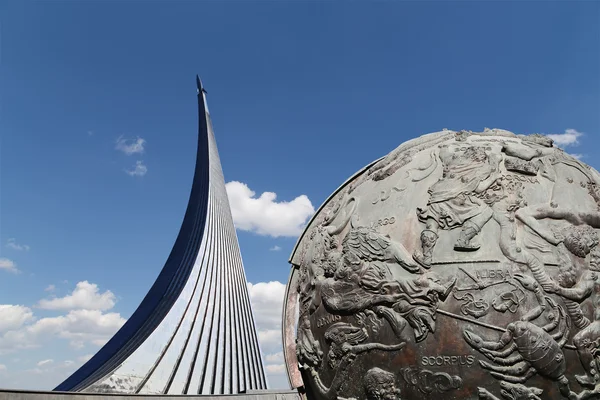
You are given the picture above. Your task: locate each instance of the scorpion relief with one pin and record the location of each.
(462, 265)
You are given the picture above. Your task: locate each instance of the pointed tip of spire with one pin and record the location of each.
(199, 85)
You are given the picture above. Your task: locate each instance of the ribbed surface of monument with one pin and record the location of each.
(194, 331)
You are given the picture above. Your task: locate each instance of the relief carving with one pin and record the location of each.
(470, 306)
(512, 391)
(367, 244)
(380, 385)
(497, 274)
(356, 285)
(521, 166)
(525, 348)
(453, 199)
(388, 166)
(587, 340)
(431, 382)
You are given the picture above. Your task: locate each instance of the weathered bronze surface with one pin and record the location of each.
(463, 265)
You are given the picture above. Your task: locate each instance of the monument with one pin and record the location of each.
(462, 265)
(194, 331)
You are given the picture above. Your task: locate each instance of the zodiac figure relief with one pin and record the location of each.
(380, 385)
(341, 214)
(453, 200)
(525, 348)
(357, 285)
(531, 216)
(587, 341)
(431, 382)
(578, 239)
(344, 338)
(346, 342)
(547, 159)
(509, 300)
(308, 348)
(368, 244)
(474, 307)
(355, 280)
(594, 384)
(316, 261)
(537, 138)
(389, 165)
(512, 391)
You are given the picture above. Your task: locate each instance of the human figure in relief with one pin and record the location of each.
(587, 341)
(353, 285)
(454, 201)
(380, 385)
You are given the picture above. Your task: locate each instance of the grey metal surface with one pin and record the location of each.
(462, 265)
(207, 341)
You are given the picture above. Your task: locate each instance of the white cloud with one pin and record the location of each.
(100, 342)
(12, 244)
(264, 215)
(45, 362)
(577, 156)
(85, 323)
(139, 169)
(42, 377)
(267, 305)
(85, 358)
(569, 138)
(8, 265)
(275, 248)
(276, 368)
(13, 317)
(2, 367)
(50, 288)
(85, 296)
(130, 146)
(275, 357)
(78, 326)
(270, 339)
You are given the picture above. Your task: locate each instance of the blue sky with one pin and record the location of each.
(302, 94)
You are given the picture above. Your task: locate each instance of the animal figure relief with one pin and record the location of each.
(525, 348)
(512, 391)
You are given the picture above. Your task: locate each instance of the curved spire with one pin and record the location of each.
(194, 331)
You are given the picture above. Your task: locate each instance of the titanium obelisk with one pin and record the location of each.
(194, 331)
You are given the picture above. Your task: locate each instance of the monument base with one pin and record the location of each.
(13, 394)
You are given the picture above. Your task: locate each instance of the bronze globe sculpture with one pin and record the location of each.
(463, 265)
